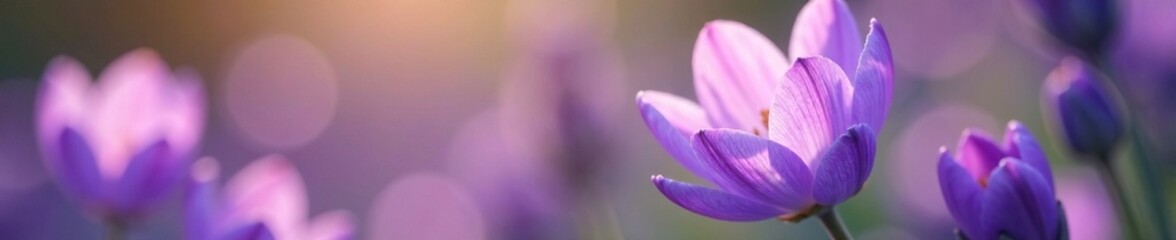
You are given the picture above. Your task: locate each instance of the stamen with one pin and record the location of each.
(764, 121)
(764, 117)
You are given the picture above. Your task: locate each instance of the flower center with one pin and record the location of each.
(764, 121)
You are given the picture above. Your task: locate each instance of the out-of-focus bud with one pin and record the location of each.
(265, 200)
(119, 144)
(1086, 116)
(1086, 25)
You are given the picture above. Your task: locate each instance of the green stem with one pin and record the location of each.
(1113, 182)
(833, 225)
(595, 216)
(1152, 186)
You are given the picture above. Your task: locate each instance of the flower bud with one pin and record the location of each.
(1085, 25)
(1088, 119)
(994, 192)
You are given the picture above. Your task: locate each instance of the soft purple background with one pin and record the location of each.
(363, 94)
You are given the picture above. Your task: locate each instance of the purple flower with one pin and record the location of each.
(119, 145)
(1000, 188)
(265, 200)
(1089, 121)
(782, 153)
(1086, 25)
(913, 183)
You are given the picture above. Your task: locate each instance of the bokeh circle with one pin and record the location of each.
(913, 174)
(281, 92)
(426, 206)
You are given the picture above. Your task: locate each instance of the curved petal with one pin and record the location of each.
(1063, 223)
(963, 196)
(673, 120)
(333, 225)
(755, 168)
(149, 176)
(846, 166)
(1020, 203)
(873, 83)
(271, 191)
(735, 68)
(978, 153)
(72, 162)
(809, 108)
(1022, 145)
(138, 68)
(251, 231)
(126, 113)
(62, 100)
(714, 203)
(826, 28)
(182, 120)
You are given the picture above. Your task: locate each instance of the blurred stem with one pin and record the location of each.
(1152, 187)
(833, 225)
(1113, 182)
(595, 216)
(115, 229)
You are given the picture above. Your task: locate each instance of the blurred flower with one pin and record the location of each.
(119, 145)
(815, 145)
(548, 146)
(265, 200)
(1089, 121)
(562, 90)
(1143, 65)
(993, 190)
(1085, 25)
(520, 195)
(543, 151)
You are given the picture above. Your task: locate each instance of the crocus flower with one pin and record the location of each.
(1006, 188)
(119, 145)
(1086, 25)
(265, 200)
(1088, 120)
(782, 153)
(913, 185)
